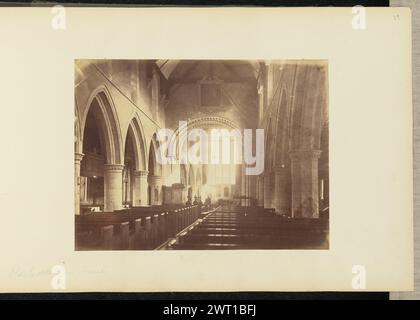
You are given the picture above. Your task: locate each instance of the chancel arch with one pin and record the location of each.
(214, 177)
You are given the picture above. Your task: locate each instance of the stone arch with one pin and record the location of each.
(108, 123)
(135, 130)
(202, 122)
(154, 173)
(154, 166)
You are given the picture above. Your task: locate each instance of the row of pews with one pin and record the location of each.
(254, 228)
(137, 228)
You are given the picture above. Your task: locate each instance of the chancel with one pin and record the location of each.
(128, 198)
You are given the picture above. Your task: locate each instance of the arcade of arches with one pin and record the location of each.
(120, 105)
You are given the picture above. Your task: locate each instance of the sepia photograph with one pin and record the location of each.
(190, 150)
(201, 154)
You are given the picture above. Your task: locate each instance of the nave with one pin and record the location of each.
(275, 116)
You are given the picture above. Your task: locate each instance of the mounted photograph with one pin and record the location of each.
(201, 154)
(231, 149)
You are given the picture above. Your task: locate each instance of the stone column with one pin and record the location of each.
(140, 188)
(305, 196)
(113, 187)
(261, 190)
(281, 190)
(77, 161)
(155, 183)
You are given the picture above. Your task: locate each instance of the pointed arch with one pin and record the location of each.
(154, 166)
(106, 116)
(135, 130)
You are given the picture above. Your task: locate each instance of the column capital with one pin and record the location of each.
(305, 154)
(113, 167)
(141, 173)
(78, 157)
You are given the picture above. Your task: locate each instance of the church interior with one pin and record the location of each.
(127, 198)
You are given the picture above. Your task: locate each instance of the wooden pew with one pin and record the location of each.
(134, 228)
